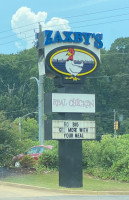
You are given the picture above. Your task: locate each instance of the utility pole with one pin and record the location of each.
(41, 67)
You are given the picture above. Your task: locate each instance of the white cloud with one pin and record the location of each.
(24, 22)
(19, 45)
(57, 24)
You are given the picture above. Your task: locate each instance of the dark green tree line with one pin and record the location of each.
(109, 83)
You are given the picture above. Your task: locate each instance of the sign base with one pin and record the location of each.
(70, 163)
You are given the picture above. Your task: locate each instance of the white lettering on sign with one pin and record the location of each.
(77, 103)
(69, 129)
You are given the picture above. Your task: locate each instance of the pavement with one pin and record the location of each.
(64, 191)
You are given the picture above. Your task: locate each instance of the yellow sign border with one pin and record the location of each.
(79, 50)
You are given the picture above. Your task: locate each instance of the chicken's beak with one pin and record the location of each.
(69, 54)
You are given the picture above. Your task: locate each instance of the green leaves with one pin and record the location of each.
(108, 158)
(28, 162)
(29, 128)
(9, 140)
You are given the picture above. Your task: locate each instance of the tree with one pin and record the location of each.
(109, 83)
(124, 127)
(121, 45)
(9, 140)
(29, 128)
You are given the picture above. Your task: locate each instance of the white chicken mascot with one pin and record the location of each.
(71, 67)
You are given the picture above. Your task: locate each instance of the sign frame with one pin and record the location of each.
(88, 130)
(73, 103)
(73, 129)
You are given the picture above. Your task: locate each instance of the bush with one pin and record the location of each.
(49, 158)
(90, 154)
(28, 162)
(26, 144)
(108, 158)
(9, 141)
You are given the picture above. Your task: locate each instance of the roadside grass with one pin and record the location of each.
(51, 180)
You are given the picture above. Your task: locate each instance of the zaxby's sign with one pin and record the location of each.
(71, 55)
(75, 37)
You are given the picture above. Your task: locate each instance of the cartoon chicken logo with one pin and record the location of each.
(72, 62)
(73, 68)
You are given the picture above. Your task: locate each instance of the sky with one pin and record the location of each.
(20, 20)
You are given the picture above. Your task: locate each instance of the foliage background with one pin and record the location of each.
(109, 83)
(108, 156)
(107, 159)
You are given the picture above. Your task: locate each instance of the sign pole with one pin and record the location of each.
(69, 56)
(70, 163)
(70, 155)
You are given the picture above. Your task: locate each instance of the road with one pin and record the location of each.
(15, 193)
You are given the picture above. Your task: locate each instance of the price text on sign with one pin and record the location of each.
(62, 129)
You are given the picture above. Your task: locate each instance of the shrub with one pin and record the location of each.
(108, 158)
(9, 141)
(49, 159)
(90, 153)
(108, 148)
(120, 169)
(26, 144)
(28, 162)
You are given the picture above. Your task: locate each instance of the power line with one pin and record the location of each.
(102, 23)
(99, 12)
(108, 54)
(14, 111)
(94, 115)
(87, 20)
(105, 76)
(68, 17)
(17, 33)
(71, 23)
(17, 40)
(72, 28)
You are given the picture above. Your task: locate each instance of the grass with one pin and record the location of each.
(51, 180)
